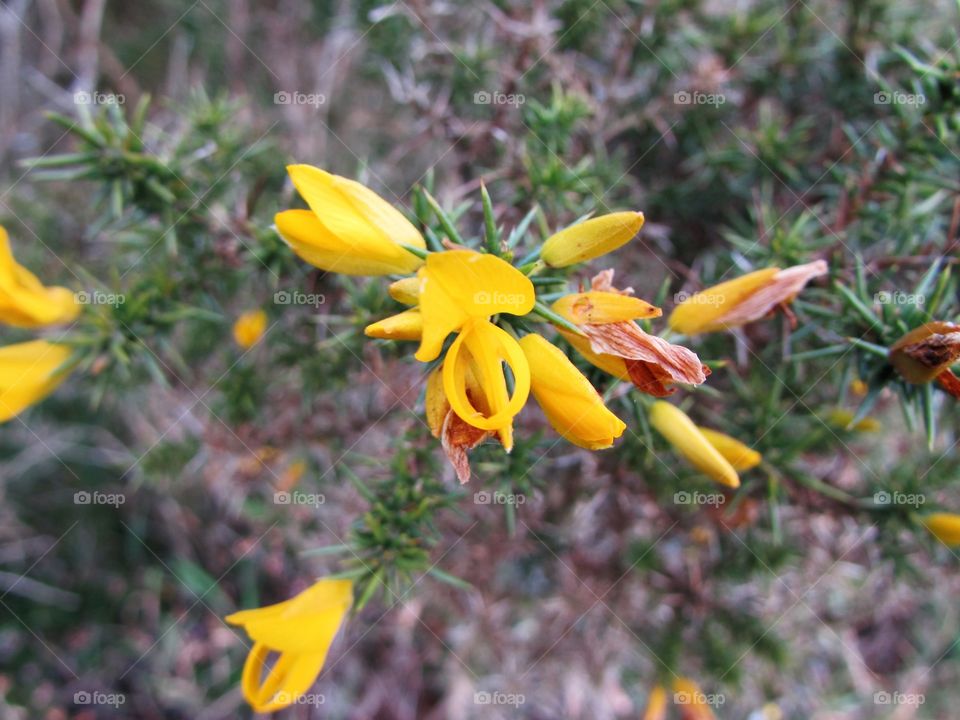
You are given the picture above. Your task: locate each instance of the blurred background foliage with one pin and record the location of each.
(750, 133)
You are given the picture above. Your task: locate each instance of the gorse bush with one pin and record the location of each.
(659, 317)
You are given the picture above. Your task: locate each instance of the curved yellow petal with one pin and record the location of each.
(407, 325)
(596, 307)
(24, 301)
(590, 238)
(249, 328)
(460, 284)
(703, 311)
(487, 347)
(688, 694)
(435, 403)
(572, 405)
(944, 526)
(361, 254)
(671, 422)
(656, 704)
(28, 373)
(405, 290)
(741, 456)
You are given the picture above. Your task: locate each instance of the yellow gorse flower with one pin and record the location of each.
(349, 228)
(944, 526)
(249, 328)
(674, 424)
(656, 704)
(24, 301)
(300, 631)
(590, 238)
(691, 699)
(29, 371)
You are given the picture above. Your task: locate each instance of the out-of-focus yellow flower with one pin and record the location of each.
(407, 325)
(300, 631)
(842, 417)
(591, 238)
(859, 387)
(926, 353)
(656, 704)
(742, 300)
(249, 328)
(613, 342)
(24, 301)
(572, 405)
(735, 452)
(687, 438)
(691, 700)
(349, 228)
(944, 526)
(460, 285)
(28, 373)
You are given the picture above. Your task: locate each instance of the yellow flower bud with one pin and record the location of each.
(590, 238)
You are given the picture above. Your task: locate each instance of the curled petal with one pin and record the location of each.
(926, 351)
(24, 301)
(29, 371)
(289, 678)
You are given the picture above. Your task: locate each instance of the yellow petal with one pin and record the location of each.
(289, 678)
(366, 252)
(24, 301)
(348, 208)
(487, 347)
(675, 426)
(841, 417)
(460, 284)
(656, 704)
(28, 373)
(736, 453)
(306, 623)
(435, 402)
(405, 290)
(591, 238)
(249, 328)
(703, 311)
(407, 325)
(572, 405)
(944, 526)
(596, 308)
(691, 698)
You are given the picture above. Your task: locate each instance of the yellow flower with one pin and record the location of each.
(301, 631)
(742, 300)
(842, 418)
(689, 440)
(590, 238)
(407, 325)
(572, 405)
(24, 301)
(735, 452)
(656, 704)
(691, 699)
(944, 526)
(28, 373)
(249, 328)
(405, 290)
(349, 228)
